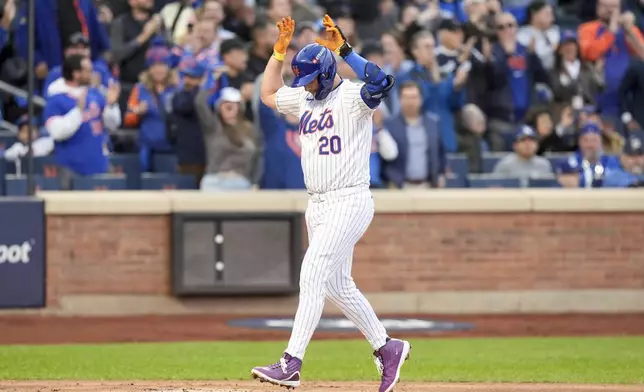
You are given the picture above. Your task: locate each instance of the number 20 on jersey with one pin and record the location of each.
(330, 145)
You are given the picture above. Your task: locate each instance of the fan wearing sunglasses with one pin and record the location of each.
(515, 69)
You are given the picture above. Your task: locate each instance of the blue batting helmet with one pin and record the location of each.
(311, 62)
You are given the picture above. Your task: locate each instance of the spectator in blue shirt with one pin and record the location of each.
(439, 95)
(631, 172)
(514, 71)
(79, 44)
(587, 167)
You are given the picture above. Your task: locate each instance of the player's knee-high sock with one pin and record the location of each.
(342, 291)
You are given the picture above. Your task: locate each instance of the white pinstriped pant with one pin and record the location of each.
(335, 222)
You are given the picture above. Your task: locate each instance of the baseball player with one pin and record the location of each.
(335, 130)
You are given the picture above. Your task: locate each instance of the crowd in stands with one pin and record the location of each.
(165, 93)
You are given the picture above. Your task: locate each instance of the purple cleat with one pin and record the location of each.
(285, 373)
(389, 360)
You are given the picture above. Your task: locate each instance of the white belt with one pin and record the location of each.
(320, 197)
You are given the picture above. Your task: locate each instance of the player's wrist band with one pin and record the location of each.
(344, 50)
(279, 56)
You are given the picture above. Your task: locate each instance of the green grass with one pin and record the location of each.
(569, 360)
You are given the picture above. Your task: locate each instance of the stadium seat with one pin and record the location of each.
(458, 164)
(45, 166)
(508, 140)
(455, 181)
(102, 182)
(128, 164)
(556, 159)
(3, 172)
(152, 181)
(491, 159)
(18, 168)
(164, 163)
(7, 141)
(491, 181)
(17, 185)
(549, 182)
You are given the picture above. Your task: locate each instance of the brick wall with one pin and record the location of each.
(400, 252)
(107, 255)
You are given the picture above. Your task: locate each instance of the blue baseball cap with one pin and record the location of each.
(590, 127)
(24, 120)
(568, 36)
(157, 55)
(634, 146)
(526, 132)
(189, 66)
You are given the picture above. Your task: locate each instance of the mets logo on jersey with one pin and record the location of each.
(309, 125)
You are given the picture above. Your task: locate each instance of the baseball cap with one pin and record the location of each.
(157, 55)
(24, 120)
(189, 66)
(525, 132)
(78, 39)
(590, 127)
(450, 25)
(634, 146)
(568, 36)
(229, 94)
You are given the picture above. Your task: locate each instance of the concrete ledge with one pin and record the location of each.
(443, 302)
(106, 203)
(431, 201)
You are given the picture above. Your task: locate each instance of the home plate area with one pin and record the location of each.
(236, 386)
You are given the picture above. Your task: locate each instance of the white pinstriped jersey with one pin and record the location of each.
(335, 134)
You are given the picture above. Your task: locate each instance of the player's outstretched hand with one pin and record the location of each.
(333, 38)
(286, 28)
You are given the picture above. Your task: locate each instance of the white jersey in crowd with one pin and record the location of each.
(335, 134)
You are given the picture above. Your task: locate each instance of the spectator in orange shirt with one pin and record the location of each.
(611, 39)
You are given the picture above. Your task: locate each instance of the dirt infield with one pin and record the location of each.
(178, 386)
(52, 330)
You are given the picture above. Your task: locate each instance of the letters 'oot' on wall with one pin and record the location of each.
(22, 253)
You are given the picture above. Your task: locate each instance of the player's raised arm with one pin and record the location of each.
(377, 82)
(272, 79)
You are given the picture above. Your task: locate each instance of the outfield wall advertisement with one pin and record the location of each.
(22, 253)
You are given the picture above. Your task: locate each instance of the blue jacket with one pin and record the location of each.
(282, 163)
(590, 175)
(396, 170)
(511, 79)
(48, 45)
(438, 98)
(85, 151)
(153, 124)
(620, 178)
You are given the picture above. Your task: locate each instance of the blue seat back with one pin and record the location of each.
(128, 165)
(550, 182)
(17, 185)
(164, 163)
(455, 181)
(45, 166)
(490, 161)
(102, 182)
(7, 141)
(556, 159)
(458, 165)
(482, 181)
(152, 181)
